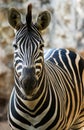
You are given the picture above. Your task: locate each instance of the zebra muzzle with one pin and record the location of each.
(28, 80)
(29, 84)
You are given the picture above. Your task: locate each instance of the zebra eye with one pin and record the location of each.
(15, 46)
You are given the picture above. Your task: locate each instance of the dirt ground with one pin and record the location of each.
(4, 126)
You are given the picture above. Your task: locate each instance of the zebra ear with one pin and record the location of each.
(14, 18)
(43, 20)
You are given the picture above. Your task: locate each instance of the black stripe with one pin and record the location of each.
(15, 114)
(50, 113)
(15, 125)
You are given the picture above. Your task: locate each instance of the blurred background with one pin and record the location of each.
(65, 30)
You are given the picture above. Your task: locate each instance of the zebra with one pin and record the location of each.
(49, 87)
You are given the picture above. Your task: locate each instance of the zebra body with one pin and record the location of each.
(51, 96)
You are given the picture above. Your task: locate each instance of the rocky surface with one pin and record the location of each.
(6, 80)
(4, 126)
(66, 30)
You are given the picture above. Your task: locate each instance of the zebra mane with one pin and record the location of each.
(29, 16)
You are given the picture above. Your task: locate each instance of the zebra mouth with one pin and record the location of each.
(29, 84)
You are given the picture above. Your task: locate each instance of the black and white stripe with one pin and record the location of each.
(57, 101)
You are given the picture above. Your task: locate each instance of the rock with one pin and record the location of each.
(6, 81)
(4, 126)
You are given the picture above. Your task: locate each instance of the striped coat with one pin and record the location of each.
(49, 88)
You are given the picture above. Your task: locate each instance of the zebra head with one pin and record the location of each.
(28, 47)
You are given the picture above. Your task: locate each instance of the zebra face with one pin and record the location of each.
(28, 47)
(28, 56)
